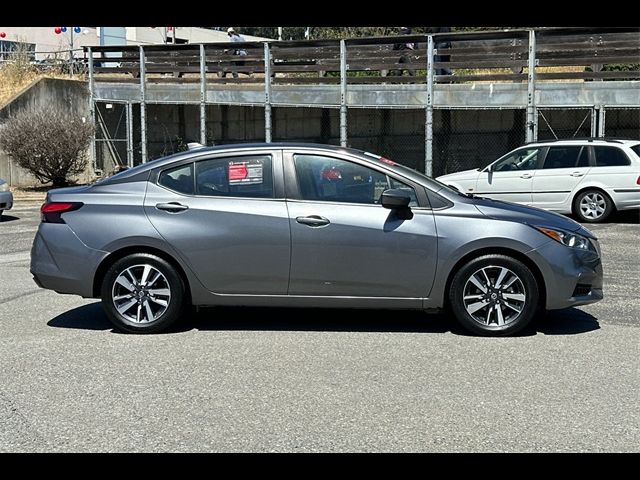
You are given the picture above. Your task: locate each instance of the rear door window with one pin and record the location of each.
(563, 157)
(249, 176)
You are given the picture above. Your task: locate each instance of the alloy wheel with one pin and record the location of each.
(593, 205)
(141, 293)
(494, 295)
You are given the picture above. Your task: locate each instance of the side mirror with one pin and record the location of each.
(395, 198)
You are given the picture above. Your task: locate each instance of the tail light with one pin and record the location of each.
(638, 181)
(52, 211)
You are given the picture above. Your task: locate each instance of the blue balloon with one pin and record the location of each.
(77, 29)
(63, 29)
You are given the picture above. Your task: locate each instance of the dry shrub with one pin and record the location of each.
(50, 143)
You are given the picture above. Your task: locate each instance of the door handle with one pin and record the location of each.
(172, 207)
(577, 174)
(526, 175)
(313, 221)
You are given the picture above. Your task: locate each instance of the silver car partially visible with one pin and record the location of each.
(6, 197)
(308, 226)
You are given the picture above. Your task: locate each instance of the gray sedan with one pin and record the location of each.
(6, 197)
(309, 226)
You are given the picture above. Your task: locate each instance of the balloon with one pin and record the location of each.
(3, 34)
(57, 30)
(77, 29)
(63, 29)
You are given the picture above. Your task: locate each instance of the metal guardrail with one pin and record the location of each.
(457, 57)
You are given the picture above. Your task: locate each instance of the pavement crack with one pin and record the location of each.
(16, 431)
(20, 295)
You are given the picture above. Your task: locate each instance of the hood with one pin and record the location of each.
(470, 174)
(499, 210)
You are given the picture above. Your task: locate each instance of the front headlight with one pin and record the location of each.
(568, 239)
(4, 186)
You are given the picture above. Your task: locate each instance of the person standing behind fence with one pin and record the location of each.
(236, 37)
(442, 45)
(407, 49)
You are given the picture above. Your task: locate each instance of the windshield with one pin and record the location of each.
(432, 183)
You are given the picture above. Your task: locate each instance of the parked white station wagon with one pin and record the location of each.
(589, 178)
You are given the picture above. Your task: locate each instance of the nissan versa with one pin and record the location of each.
(308, 226)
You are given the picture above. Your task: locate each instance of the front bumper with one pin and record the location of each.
(572, 277)
(6, 200)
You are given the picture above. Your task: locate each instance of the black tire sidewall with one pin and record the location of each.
(456, 292)
(608, 209)
(176, 285)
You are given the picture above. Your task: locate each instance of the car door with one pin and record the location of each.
(510, 178)
(563, 169)
(344, 243)
(227, 218)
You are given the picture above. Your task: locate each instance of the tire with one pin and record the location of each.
(142, 293)
(1, 212)
(592, 206)
(504, 308)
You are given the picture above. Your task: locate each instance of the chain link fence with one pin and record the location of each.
(234, 124)
(111, 136)
(462, 138)
(170, 128)
(622, 123)
(396, 134)
(311, 125)
(559, 123)
(468, 139)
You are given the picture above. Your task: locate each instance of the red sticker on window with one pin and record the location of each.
(238, 171)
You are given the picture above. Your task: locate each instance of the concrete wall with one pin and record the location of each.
(58, 93)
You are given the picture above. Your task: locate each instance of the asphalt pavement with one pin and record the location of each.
(294, 380)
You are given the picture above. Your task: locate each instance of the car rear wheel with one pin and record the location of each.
(592, 206)
(494, 295)
(142, 293)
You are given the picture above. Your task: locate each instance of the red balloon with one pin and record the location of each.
(2, 34)
(57, 30)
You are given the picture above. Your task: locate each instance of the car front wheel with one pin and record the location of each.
(142, 293)
(494, 295)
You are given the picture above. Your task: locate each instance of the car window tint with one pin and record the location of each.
(636, 149)
(179, 179)
(406, 188)
(524, 159)
(610, 157)
(245, 176)
(333, 180)
(562, 157)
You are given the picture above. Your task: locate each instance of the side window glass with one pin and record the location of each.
(562, 157)
(333, 180)
(583, 159)
(524, 159)
(401, 186)
(178, 179)
(246, 176)
(610, 157)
